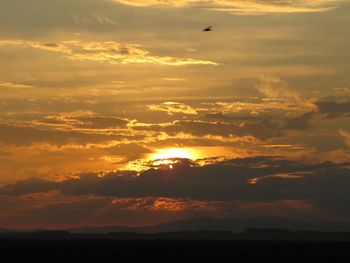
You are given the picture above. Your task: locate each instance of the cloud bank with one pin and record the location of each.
(255, 179)
(110, 51)
(247, 7)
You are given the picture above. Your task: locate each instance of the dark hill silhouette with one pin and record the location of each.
(232, 225)
(206, 224)
(249, 235)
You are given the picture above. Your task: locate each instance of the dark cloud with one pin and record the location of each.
(259, 179)
(333, 109)
(27, 135)
(55, 210)
(220, 116)
(100, 122)
(51, 45)
(32, 185)
(88, 121)
(260, 128)
(300, 122)
(129, 151)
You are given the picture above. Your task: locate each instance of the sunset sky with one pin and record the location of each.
(126, 112)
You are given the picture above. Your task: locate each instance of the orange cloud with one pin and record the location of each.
(346, 137)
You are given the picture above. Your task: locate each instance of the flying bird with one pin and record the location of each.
(210, 28)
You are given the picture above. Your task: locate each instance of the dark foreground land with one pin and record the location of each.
(170, 247)
(171, 251)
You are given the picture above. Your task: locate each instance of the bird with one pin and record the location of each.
(209, 28)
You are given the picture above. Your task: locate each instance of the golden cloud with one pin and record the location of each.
(276, 88)
(173, 108)
(13, 85)
(108, 51)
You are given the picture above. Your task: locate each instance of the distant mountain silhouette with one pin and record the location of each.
(107, 229)
(232, 225)
(207, 224)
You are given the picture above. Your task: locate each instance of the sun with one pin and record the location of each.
(171, 153)
(168, 157)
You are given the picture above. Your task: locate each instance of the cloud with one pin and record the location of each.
(21, 135)
(112, 52)
(174, 79)
(245, 7)
(56, 210)
(82, 120)
(274, 87)
(253, 109)
(342, 91)
(346, 137)
(274, 180)
(173, 108)
(300, 122)
(13, 85)
(98, 18)
(260, 128)
(333, 109)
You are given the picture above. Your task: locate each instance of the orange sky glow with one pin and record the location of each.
(127, 112)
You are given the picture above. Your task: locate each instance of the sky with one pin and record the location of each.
(124, 112)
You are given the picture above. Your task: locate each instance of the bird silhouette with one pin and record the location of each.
(209, 28)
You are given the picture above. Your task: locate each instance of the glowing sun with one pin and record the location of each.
(170, 153)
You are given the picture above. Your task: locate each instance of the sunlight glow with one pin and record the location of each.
(167, 158)
(170, 153)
